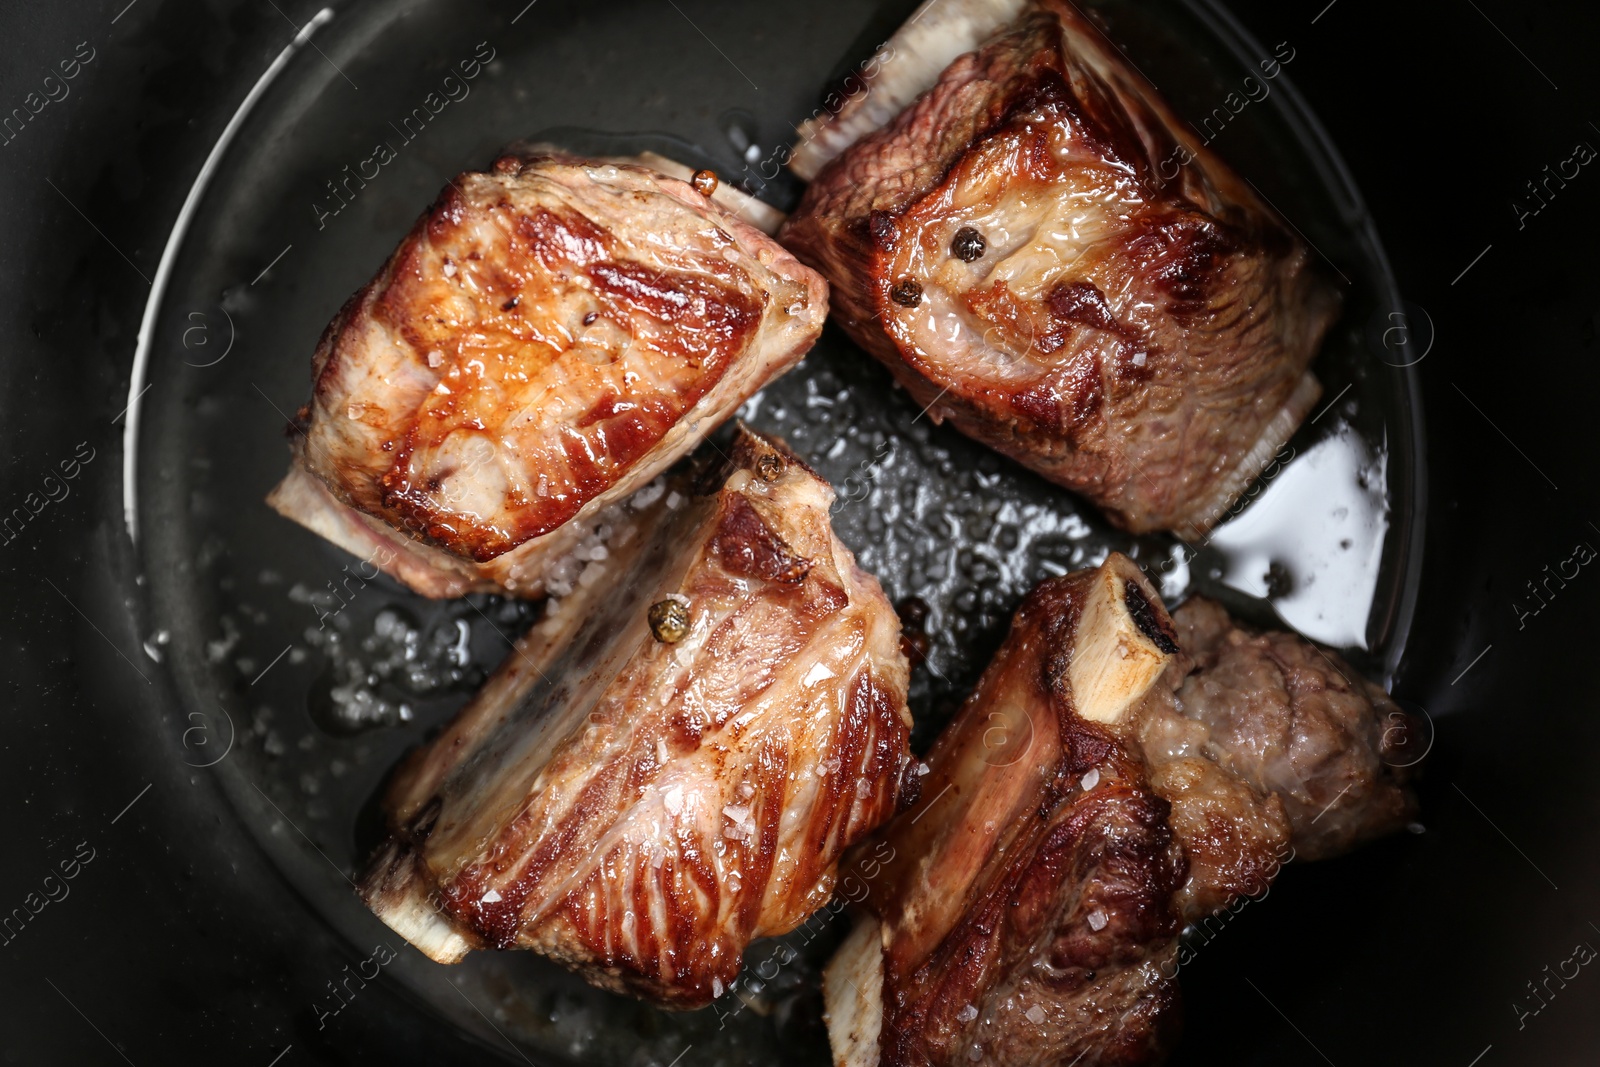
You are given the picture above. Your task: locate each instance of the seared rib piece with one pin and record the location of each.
(673, 764)
(1025, 913)
(548, 338)
(1043, 253)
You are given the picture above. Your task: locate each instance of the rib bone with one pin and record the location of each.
(935, 34)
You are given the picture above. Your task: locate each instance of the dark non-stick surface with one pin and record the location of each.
(213, 914)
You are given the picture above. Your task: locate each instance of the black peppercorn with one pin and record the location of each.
(907, 292)
(968, 245)
(913, 612)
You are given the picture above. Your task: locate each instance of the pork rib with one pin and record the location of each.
(1046, 255)
(671, 766)
(1024, 915)
(550, 336)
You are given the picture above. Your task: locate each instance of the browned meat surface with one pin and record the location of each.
(549, 337)
(1285, 717)
(1043, 253)
(1234, 833)
(1023, 911)
(672, 765)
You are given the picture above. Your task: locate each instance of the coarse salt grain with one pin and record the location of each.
(648, 495)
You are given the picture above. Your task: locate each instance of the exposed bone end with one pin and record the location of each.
(1273, 437)
(396, 895)
(1124, 641)
(302, 497)
(931, 39)
(852, 995)
(740, 204)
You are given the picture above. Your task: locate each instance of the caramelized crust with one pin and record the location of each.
(550, 336)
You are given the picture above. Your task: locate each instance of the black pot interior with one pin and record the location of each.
(186, 693)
